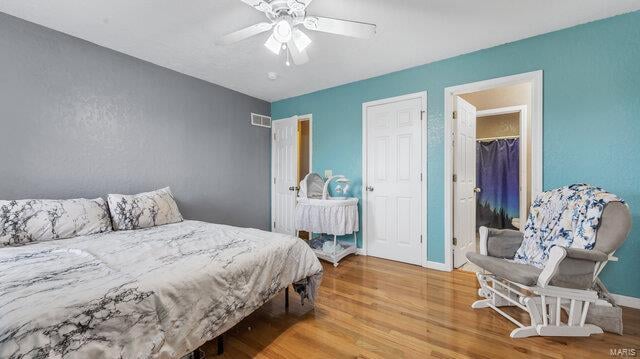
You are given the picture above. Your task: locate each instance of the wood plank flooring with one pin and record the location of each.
(374, 308)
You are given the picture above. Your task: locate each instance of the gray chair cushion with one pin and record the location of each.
(615, 225)
(503, 243)
(572, 273)
(515, 272)
(593, 255)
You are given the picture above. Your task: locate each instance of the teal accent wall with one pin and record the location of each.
(591, 119)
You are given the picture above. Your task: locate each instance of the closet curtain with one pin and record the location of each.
(498, 169)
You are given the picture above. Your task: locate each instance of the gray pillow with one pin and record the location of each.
(143, 210)
(33, 220)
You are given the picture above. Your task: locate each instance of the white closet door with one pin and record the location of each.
(393, 188)
(284, 169)
(464, 226)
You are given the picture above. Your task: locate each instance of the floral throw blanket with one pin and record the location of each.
(568, 216)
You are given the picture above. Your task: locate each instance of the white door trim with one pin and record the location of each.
(535, 78)
(524, 149)
(501, 111)
(423, 164)
(273, 163)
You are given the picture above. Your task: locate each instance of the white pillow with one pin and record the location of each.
(143, 210)
(32, 220)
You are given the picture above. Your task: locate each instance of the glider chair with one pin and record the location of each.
(566, 282)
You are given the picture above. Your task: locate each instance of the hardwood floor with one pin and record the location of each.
(374, 308)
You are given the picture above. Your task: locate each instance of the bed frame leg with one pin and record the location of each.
(286, 297)
(220, 342)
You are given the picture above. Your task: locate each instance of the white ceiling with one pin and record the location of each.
(180, 34)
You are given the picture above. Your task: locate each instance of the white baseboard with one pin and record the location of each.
(437, 266)
(626, 301)
(360, 252)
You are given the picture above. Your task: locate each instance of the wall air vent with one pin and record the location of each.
(260, 120)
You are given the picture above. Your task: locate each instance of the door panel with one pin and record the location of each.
(284, 171)
(380, 209)
(393, 166)
(404, 158)
(404, 208)
(464, 227)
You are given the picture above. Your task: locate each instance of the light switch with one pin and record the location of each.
(328, 173)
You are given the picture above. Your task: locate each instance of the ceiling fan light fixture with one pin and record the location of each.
(273, 45)
(301, 40)
(285, 20)
(282, 31)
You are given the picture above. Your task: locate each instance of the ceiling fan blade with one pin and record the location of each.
(298, 57)
(259, 5)
(245, 33)
(340, 27)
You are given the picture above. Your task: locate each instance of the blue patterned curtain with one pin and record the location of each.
(498, 178)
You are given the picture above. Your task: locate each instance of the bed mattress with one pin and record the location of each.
(159, 292)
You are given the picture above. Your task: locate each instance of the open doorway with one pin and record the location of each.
(304, 155)
(503, 166)
(495, 160)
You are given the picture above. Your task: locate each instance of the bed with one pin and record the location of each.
(158, 292)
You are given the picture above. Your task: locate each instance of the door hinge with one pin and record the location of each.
(420, 176)
(455, 115)
(274, 180)
(274, 224)
(423, 114)
(274, 136)
(455, 178)
(421, 238)
(455, 241)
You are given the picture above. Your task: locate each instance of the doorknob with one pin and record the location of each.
(477, 190)
(294, 188)
(369, 188)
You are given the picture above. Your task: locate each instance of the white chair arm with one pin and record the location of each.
(484, 236)
(556, 255)
(587, 254)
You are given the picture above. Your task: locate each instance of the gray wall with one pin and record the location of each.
(80, 120)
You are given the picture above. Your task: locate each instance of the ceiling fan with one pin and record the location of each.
(285, 16)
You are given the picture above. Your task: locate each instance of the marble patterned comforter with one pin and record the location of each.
(158, 292)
